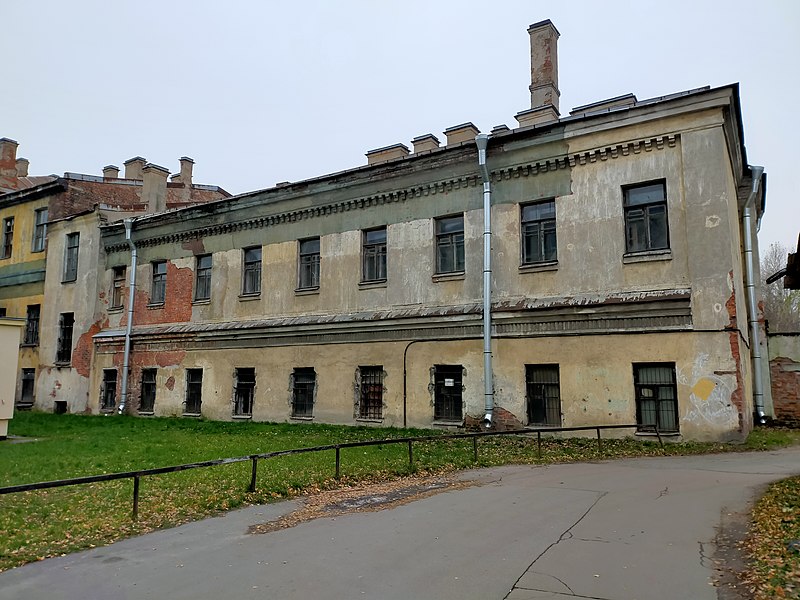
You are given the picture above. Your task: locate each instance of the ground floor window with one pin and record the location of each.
(244, 391)
(447, 383)
(656, 395)
(370, 392)
(543, 395)
(147, 394)
(194, 391)
(28, 379)
(108, 391)
(304, 382)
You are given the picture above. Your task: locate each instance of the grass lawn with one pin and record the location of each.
(39, 524)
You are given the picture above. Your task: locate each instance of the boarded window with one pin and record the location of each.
(543, 395)
(447, 392)
(27, 391)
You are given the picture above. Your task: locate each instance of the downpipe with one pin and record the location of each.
(126, 359)
(752, 306)
(482, 141)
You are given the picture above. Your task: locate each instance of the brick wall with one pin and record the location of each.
(784, 367)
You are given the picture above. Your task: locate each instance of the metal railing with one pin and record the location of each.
(254, 458)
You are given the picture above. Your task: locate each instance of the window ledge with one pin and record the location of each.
(653, 434)
(68, 280)
(369, 285)
(201, 301)
(299, 418)
(447, 423)
(62, 364)
(306, 291)
(648, 255)
(550, 265)
(249, 297)
(28, 345)
(242, 417)
(145, 413)
(366, 420)
(196, 415)
(115, 309)
(455, 276)
(155, 306)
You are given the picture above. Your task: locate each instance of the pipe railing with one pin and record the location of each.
(254, 458)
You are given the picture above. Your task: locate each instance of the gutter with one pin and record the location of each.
(126, 360)
(482, 141)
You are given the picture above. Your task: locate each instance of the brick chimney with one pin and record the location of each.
(22, 167)
(185, 176)
(111, 172)
(134, 167)
(544, 75)
(8, 158)
(154, 187)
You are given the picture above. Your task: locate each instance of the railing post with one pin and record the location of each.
(475, 448)
(252, 487)
(599, 442)
(410, 456)
(135, 497)
(539, 444)
(338, 458)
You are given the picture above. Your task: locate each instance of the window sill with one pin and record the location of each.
(366, 420)
(646, 256)
(195, 415)
(653, 434)
(115, 309)
(62, 364)
(242, 417)
(447, 423)
(145, 413)
(29, 345)
(370, 285)
(550, 265)
(201, 301)
(299, 418)
(155, 306)
(249, 297)
(455, 276)
(306, 291)
(68, 280)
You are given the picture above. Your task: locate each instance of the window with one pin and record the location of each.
(251, 275)
(450, 244)
(71, 257)
(370, 392)
(543, 395)
(646, 217)
(2, 311)
(158, 290)
(656, 396)
(8, 237)
(373, 251)
(28, 379)
(447, 393)
(244, 392)
(194, 391)
(309, 264)
(118, 287)
(147, 396)
(32, 325)
(108, 391)
(303, 383)
(39, 230)
(539, 232)
(64, 346)
(202, 278)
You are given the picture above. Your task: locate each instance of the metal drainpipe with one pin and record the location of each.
(752, 307)
(131, 289)
(482, 140)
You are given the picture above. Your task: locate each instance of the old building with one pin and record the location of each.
(620, 239)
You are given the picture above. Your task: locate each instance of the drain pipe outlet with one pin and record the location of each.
(482, 140)
(752, 306)
(126, 359)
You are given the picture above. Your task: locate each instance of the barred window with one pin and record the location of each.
(158, 289)
(202, 283)
(39, 230)
(303, 386)
(447, 392)
(646, 225)
(71, 257)
(539, 232)
(370, 392)
(147, 396)
(373, 251)
(543, 395)
(450, 244)
(251, 273)
(656, 396)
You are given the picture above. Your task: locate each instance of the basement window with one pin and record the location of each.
(108, 390)
(244, 391)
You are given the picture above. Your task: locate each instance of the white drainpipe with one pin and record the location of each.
(752, 306)
(126, 360)
(482, 140)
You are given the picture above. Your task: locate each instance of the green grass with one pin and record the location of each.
(36, 525)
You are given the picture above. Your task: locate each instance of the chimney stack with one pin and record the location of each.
(22, 167)
(134, 167)
(457, 134)
(154, 187)
(544, 75)
(185, 176)
(8, 158)
(425, 143)
(111, 172)
(387, 153)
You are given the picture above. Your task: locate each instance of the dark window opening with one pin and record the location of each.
(656, 396)
(308, 277)
(108, 391)
(147, 397)
(450, 244)
(303, 385)
(8, 237)
(373, 250)
(244, 392)
(202, 282)
(646, 225)
(539, 232)
(66, 322)
(158, 289)
(251, 275)
(194, 391)
(543, 395)
(28, 380)
(71, 257)
(447, 392)
(32, 325)
(370, 397)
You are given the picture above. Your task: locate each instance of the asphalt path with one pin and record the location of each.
(626, 529)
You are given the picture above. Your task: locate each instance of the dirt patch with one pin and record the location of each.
(730, 562)
(369, 498)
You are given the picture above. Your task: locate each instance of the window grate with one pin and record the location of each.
(370, 405)
(447, 392)
(656, 396)
(544, 396)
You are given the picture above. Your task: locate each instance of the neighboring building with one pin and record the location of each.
(618, 285)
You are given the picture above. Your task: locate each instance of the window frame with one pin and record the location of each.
(649, 222)
(194, 392)
(304, 391)
(547, 392)
(148, 390)
(449, 245)
(8, 238)
(39, 237)
(118, 276)
(244, 391)
(252, 271)
(655, 392)
(71, 255)
(108, 390)
(66, 326)
(538, 223)
(308, 263)
(32, 322)
(202, 277)
(373, 256)
(448, 406)
(370, 392)
(27, 382)
(158, 283)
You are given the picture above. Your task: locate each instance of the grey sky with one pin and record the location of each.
(260, 92)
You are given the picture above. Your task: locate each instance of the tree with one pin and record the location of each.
(781, 307)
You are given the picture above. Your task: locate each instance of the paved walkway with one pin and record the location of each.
(629, 529)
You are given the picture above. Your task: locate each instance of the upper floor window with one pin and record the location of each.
(251, 273)
(158, 290)
(118, 287)
(202, 278)
(71, 257)
(450, 244)
(373, 252)
(646, 226)
(308, 277)
(39, 230)
(32, 325)
(8, 237)
(539, 232)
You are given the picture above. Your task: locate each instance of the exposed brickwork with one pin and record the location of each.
(177, 307)
(786, 390)
(502, 420)
(82, 354)
(745, 419)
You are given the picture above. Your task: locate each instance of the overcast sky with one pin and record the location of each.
(263, 92)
